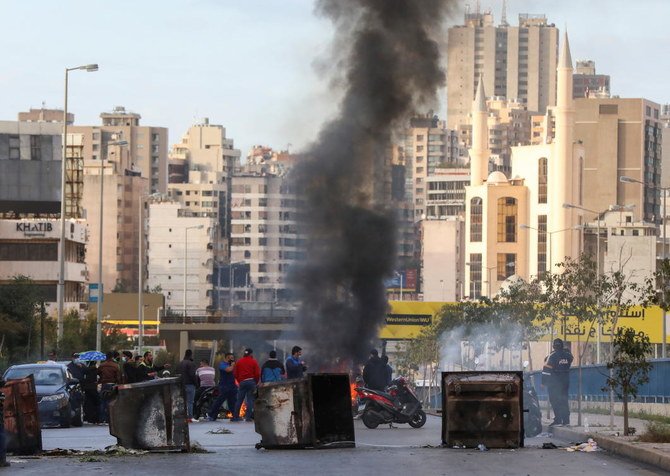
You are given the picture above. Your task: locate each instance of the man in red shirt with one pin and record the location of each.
(248, 373)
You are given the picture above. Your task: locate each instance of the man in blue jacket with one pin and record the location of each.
(227, 387)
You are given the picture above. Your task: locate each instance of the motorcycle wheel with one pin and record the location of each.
(418, 420)
(369, 421)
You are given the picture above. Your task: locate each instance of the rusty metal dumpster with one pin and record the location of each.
(313, 412)
(150, 415)
(21, 417)
(482, 408)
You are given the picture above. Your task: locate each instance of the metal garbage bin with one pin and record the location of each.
(150, 415)
(312, 412)
(482, 408)
(23, 433)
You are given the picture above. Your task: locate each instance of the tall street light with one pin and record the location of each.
(195, 227)
(663, 190)
(140, 276)
(98, 331)
(61, 258)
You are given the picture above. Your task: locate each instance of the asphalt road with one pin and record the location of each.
(383, 451)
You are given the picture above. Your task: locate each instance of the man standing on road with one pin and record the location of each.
(272, 370)
(295, 367)
(206, 376)
(186, 369)
(110, 375)
(227, 387)
(146, 370)
(248, 373)
(556, 377)
(374, 372)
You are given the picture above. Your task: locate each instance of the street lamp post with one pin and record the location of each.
(195, 227)
(98, 331)
(663, 190)
(61, 257)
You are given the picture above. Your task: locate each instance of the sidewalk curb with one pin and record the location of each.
(657, 458)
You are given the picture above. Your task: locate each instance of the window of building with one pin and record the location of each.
(507, 211)
(541, 244)
(14, 148)
(476, 211)
(542, 180)
(475, 275)
(505, 265)
(636, 232)
(35, 147)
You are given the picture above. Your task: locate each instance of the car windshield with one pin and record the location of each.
(43, 375)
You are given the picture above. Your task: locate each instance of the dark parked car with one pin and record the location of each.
(59, 397)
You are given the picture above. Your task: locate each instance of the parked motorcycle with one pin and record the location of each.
(532, 416)
(398, 405)
(203, 404)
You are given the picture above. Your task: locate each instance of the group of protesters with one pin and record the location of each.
(98, 379)
(237, 380)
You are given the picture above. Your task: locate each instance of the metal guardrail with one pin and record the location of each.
(243, 317)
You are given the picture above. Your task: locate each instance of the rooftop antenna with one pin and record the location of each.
(503, 16)
(477, 8)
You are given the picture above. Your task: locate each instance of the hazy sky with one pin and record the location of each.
(249, 65)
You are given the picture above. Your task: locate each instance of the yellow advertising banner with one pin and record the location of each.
(406, 319)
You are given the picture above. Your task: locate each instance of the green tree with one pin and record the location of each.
(19, 302)
(629, 367)
(656, 290)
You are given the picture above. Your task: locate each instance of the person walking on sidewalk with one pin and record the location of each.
(556, 377)
(248, 373)
(186, 369)
(227, 387)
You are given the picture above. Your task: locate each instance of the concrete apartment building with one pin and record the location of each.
(30, 247)
(147, 145)
(427, 145)
(509, 124)
(586, 83)
(264, 235)
(621, 136)
(180, 257)
(30, 168)
(442, 263)
(124, 192)
(445, 195)
(515, 62)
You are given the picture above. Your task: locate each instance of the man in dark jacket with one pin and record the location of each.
(295, 366)
(227, 387)
(272, 370)
(146, 370)
(109, 375)
(374, 372)
(556, 377)
(186, 369)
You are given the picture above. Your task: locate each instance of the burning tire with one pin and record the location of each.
(418, 420)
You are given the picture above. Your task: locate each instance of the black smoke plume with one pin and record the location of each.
(391, 69)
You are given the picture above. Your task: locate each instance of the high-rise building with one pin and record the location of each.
(515, 62)
(586, 83)
(180, 257)
(147, 145)
(509, 125)
(264, 234)
(30, 169)
(124, 190)
(621, 136)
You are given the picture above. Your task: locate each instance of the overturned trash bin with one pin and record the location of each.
(23, 434)
(313, 412)
(150, 415)
(482, 408)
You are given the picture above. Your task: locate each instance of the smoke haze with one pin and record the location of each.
(387, 54)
